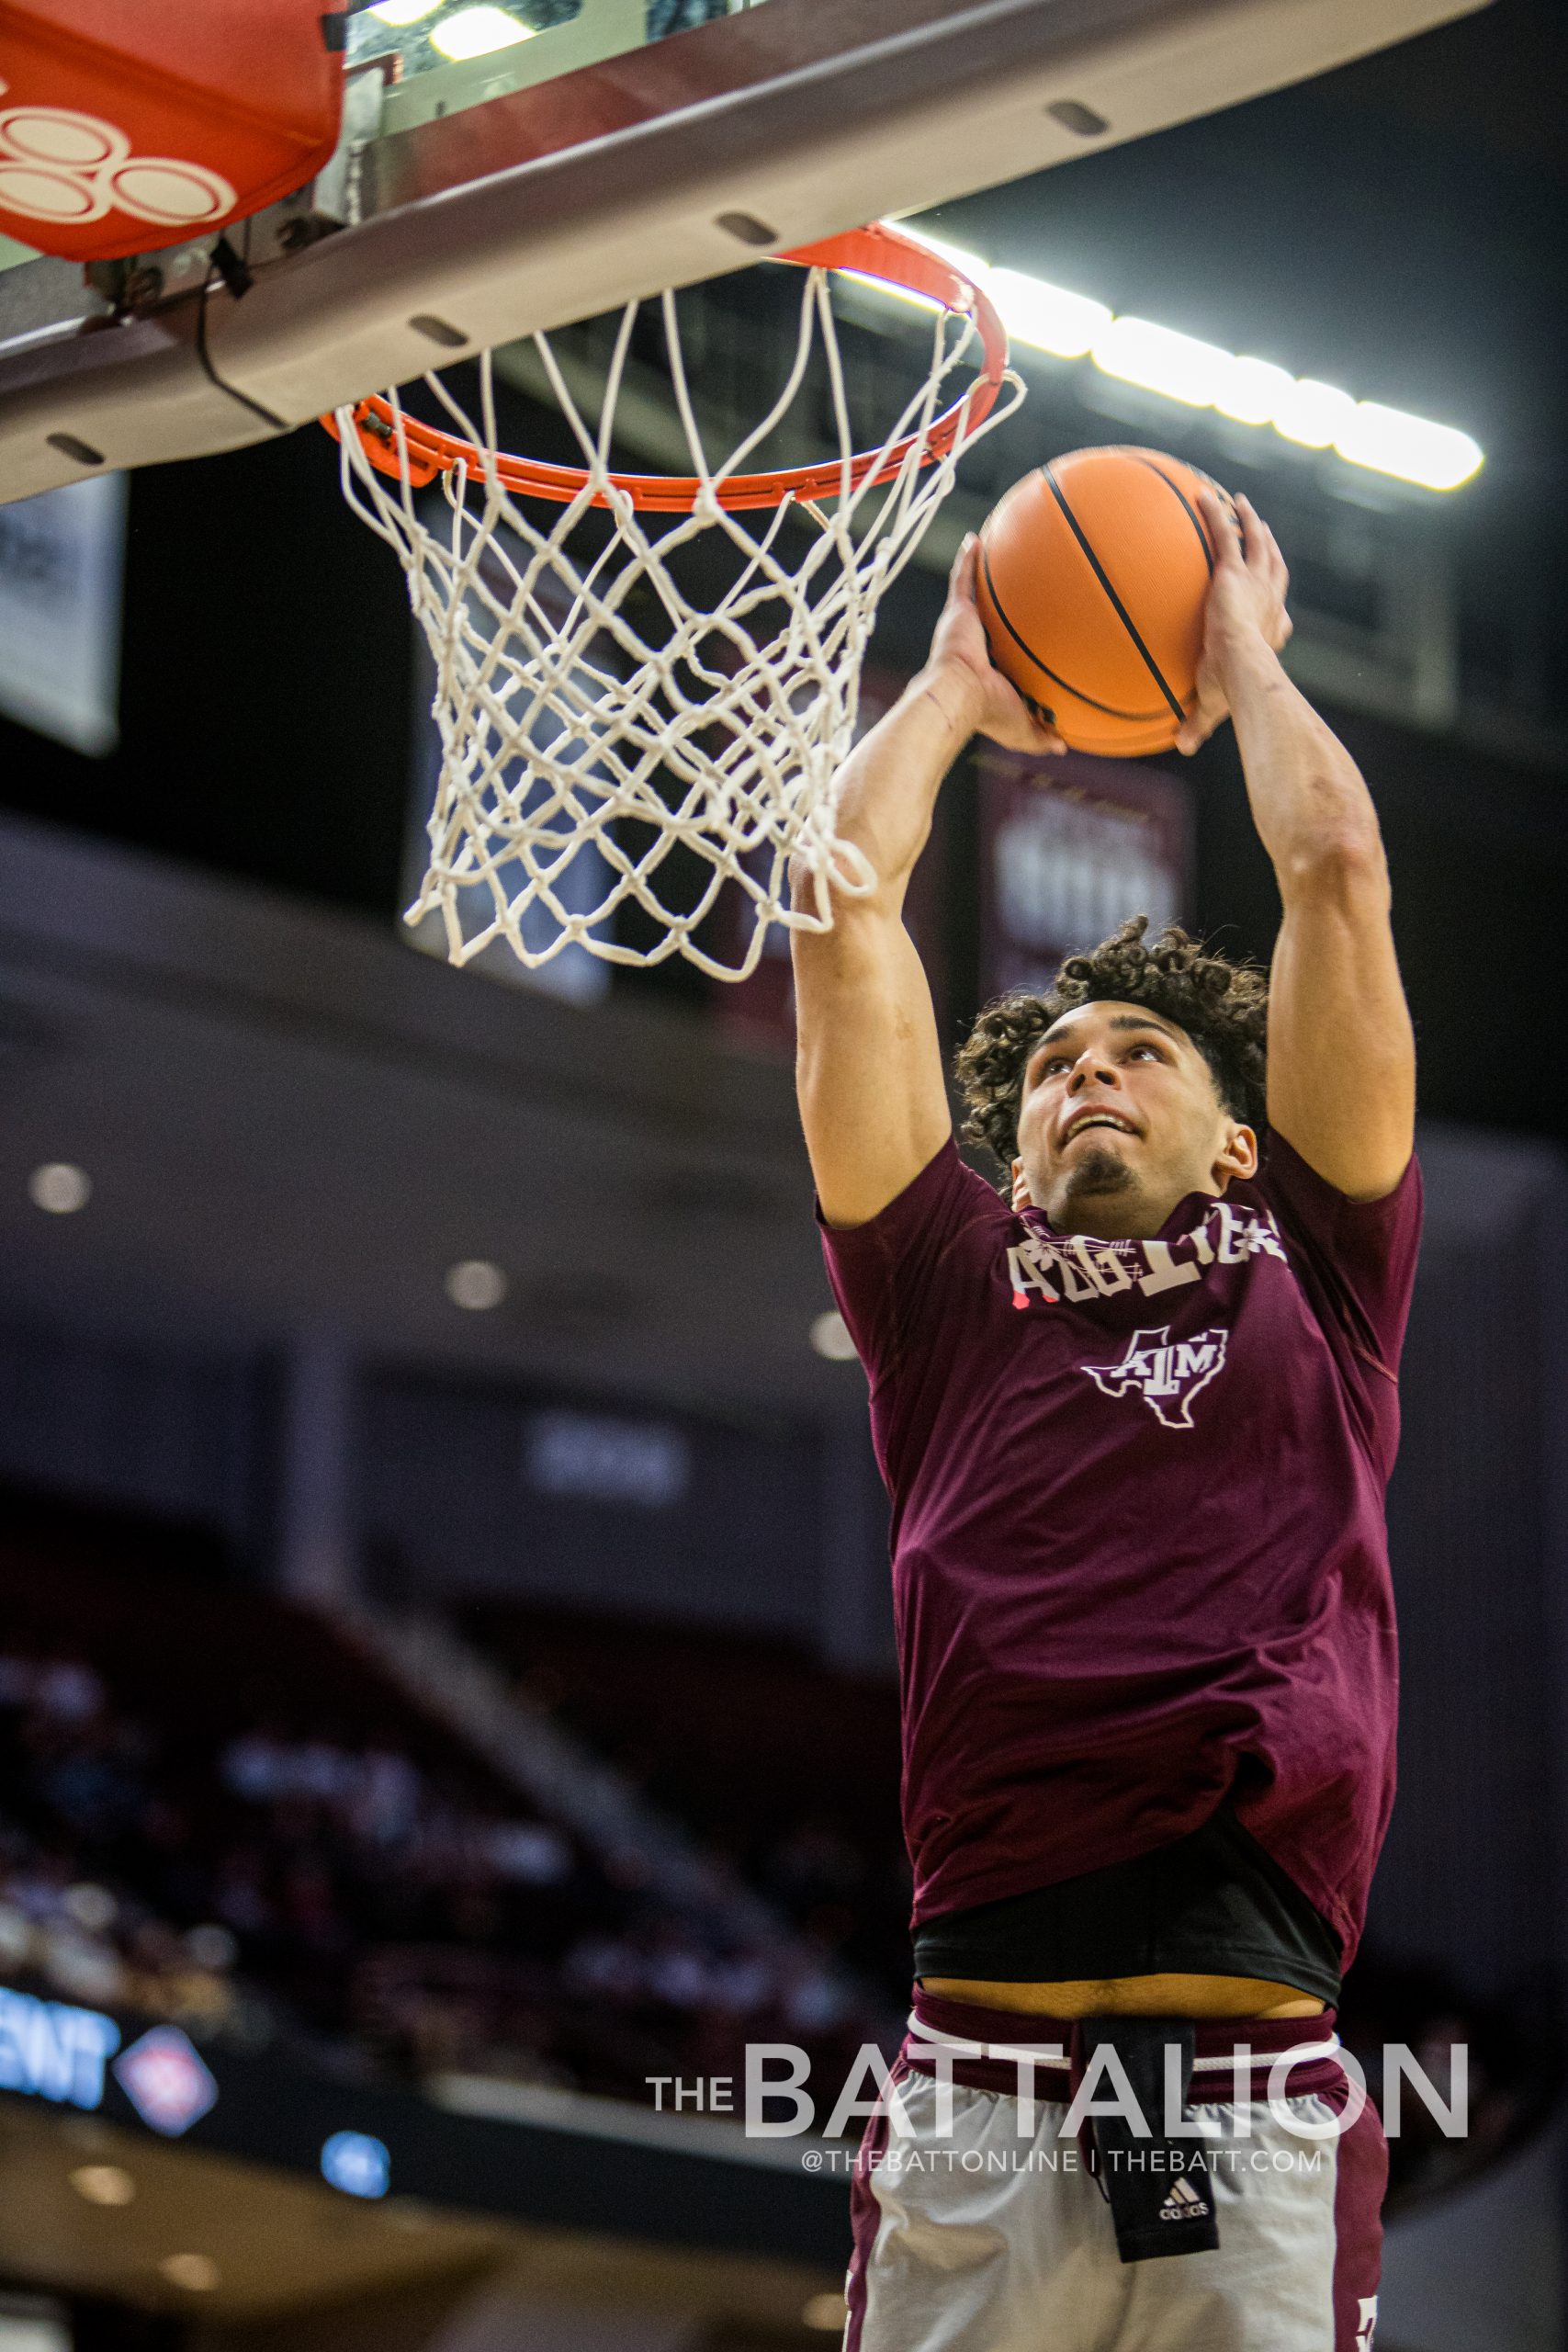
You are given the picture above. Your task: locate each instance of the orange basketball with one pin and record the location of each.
(1092, 583)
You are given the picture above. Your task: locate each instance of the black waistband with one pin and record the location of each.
(1212, 1904)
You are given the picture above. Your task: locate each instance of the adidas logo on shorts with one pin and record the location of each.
(1183, 2204)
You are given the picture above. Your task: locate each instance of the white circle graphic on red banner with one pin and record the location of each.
(162, 187)
(47, 195)
(54, 135)
(56, 165)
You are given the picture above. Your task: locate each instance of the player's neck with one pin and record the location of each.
(1122, 1216)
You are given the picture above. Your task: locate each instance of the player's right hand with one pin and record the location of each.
(960, 667)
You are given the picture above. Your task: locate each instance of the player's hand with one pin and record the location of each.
(1245, 606)
(960, 669)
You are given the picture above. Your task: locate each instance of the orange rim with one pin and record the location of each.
(878, 253)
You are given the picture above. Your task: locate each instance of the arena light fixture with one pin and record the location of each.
(1246, 390)
(1314, 413)
(59, 1188)
(404, 12)
(1251, 389)
(104, 2185)
(476, 1285)
(1178, 366)
(1410, 446)
(1048, 318)
(830, 1336)
(196, 2273)
(475, 32)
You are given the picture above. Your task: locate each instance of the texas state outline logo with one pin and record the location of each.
(1167, 1374)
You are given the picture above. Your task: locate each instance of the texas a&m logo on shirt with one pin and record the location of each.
(1168, 1375)
(1048, 1269)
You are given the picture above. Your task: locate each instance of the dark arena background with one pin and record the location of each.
(448, 1708)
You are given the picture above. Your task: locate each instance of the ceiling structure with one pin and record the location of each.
(290, 1119)
(293, 1123)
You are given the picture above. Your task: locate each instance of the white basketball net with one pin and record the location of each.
(560, 722)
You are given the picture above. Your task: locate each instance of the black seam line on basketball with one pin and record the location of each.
(204, 356)
(1176, 491)
(1107, 710)
(1123, 615)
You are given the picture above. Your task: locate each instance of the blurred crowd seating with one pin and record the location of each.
(213, 1809)
(785, 1767)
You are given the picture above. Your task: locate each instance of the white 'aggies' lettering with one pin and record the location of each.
(1102, 1266)
(1026, 1266)
(1070, 1266)
(1165, 1270)
(1242, 1234)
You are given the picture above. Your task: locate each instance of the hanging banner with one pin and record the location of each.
(61, 567)
(1069, 848)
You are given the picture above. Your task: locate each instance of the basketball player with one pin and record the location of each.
(1136, 1419)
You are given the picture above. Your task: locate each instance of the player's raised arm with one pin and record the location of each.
(1341, 1051)
(869, 1063)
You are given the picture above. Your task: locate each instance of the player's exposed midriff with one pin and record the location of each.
(1131, 1996)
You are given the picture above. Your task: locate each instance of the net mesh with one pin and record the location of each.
(594, 720)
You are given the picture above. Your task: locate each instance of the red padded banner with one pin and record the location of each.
(127, 128)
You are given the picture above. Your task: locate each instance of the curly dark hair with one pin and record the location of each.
(1223, 1007)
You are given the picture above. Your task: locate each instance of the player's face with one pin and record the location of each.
(1119, 1121)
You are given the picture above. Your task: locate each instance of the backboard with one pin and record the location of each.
(590, 151)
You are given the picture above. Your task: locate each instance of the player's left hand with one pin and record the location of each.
(1246, 604)
(984, 702)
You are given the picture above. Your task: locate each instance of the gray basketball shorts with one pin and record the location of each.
(982, 2222)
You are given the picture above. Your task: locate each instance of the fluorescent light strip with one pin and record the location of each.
(1200, 374)
(476, 32)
